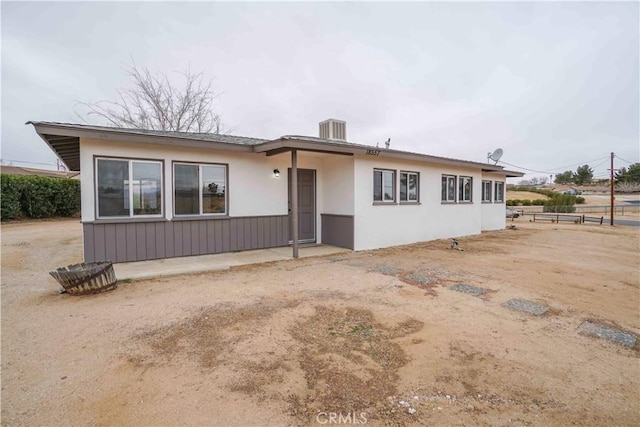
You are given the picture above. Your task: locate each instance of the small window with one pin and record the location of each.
(499, 193)
(127, 188)
(486, 191)
(466, 189)
(200, 189)
(448, 188)
(384, 185)
(409, 186)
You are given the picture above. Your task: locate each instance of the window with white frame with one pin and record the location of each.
(128, 188)
(199, 189)
(448, 188)
(486, 191)
(409, 186)
(466, 189)
(499, 193)
(384, 185)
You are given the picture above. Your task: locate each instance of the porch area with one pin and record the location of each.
(223, 261)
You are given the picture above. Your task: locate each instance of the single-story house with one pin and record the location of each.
(153, 194)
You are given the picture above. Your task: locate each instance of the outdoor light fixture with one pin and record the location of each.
(276, 173)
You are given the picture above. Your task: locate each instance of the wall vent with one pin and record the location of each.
(333, 129)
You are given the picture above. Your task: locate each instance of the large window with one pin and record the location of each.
(200, 189)
(409, 186)
(486, 191)
(499, 193)
(384, 186)
(127, 188)
(466, 189)
(448, 188)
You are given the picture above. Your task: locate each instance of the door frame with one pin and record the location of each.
(315, 205)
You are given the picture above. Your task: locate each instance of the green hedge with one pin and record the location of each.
(38, 197)
(560, 203)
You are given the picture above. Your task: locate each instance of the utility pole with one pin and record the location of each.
(612, 187)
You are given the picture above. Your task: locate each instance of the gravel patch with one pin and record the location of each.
(386, 270)
(421, 279)
(526, 306)
(468, 289)
(617, 336)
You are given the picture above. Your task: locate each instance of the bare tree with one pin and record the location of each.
(153, 102)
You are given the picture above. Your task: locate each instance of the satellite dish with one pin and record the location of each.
(495, 156)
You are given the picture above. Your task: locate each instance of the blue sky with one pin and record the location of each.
(553, 84)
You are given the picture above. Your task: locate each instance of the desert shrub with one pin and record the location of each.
(580, 200)
(560, 203)
(526, 203)
(538, 202)
(39, 197)
(509, 203)
(543, 191)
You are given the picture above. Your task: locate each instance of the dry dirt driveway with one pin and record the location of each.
(373, 336)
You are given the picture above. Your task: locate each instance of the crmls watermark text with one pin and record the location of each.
(340, 418)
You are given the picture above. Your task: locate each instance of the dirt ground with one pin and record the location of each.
(373, 336)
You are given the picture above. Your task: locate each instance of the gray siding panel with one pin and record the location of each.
(99, 244)
(226, 239)
(124, 242)
(121, 242)
(160, 240)
(87, 242)
(186, 237)
(338, 230)
(111, 252)
(233, 236)
(247, 234)
(131, 242)
(273, 235)
(211, 237)
(195, 237)
(254, 232)
(217, 231)
(177, 236)
(150, 237)
(141, 243)
(169, 239)
(260, 232)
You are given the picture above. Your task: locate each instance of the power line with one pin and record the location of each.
(620, 158)
(527, 169)
(551, 171)
(581, 163)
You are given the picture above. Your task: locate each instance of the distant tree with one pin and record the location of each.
(631, 174)
(153, 102)
(583, 175)
(565, 177)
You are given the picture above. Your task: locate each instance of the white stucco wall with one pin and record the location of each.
(344, 185)
(493, 214)
(338, 180)
(252, 188)
(387, 225)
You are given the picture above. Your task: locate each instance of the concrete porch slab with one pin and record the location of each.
(204, 263)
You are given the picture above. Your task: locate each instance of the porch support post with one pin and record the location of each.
(294, 201)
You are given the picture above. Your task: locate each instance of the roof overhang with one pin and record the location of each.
(508, 173)
(64, 140)
(288, 143)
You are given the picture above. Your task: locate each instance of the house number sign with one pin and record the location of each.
(373, 152)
